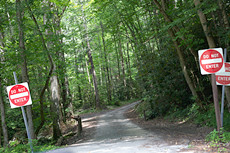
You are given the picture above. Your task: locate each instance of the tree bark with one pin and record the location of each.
(122, 59)
(129, 65)
(180, 54)
(66, 95)
(2, 108)
(3, 118)
(50, 71)
(101, 65)
(106, 65)
(56, 113)
(25, 77)
(225, 17)
(118, 60)
(87, 70)
(226, 25)
(55, 110)
(65, 91)
(211, 44)
(77, 74)
(89, 53)
(78, 85)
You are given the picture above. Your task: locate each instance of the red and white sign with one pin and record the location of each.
(227, 67)
(211, 60)
(19, 95)
(223, 78)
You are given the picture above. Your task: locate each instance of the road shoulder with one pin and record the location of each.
(176, 133)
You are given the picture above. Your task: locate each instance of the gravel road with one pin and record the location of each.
(117, 134)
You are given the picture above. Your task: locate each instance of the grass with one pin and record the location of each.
(14, 147)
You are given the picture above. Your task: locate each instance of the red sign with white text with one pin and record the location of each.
(227, 67)
(211, 60)
(19, 95)
(222, 80)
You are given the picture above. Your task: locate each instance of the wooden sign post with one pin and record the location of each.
(211, 62)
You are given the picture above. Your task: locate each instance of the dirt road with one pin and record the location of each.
(117, 134)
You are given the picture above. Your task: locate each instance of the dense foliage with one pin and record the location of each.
(95, 53)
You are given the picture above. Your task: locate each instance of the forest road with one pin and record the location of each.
(117, 134)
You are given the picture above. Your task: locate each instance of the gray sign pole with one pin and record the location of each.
(223, 90)
(24, 117)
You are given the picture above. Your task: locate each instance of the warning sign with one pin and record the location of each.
(211, 61)
(227, 67)
(19, 95)
(223, 79)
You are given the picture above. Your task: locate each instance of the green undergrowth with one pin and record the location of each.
(15, 147)
(216, 137)
(192, 113)
(219, 139)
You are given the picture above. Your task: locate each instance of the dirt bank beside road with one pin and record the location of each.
(177, 133)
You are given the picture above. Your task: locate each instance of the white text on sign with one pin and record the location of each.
(211, 60)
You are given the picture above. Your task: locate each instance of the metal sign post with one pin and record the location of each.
(223, 90)
(24, 117)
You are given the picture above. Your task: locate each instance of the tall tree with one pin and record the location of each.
(211, 44)
(89, 53)
(2, 107)
(3, 117)
(177, 45)
(25, 77)
(55, 96)
(106, 63)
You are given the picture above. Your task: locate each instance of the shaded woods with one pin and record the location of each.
(90, 54)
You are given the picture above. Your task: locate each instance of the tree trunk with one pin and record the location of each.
(69, 98)
(107, 67)
(101, 65)
(226, 25)
(129, 71)
(1, 136)
(89, 80)
(89, 53)
(129, 65)
(87, 70)
(56, 113)
(211, 44)
(2, 108)
(25, 77)
(77, 74)
(180, 54)
(225, 17)
(55, 110)
(118, 60)
(122, 60)
(66, 95)
(50, 71)
(3, 117)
